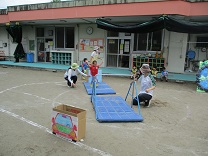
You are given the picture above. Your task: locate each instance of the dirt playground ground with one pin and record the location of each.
(176, 124)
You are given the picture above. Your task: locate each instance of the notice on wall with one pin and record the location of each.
(111, 41)
(126, 46)
(31, 45)
(121, 48)
(50, 43)
(87, 45)
(100, 42)
(122, 41)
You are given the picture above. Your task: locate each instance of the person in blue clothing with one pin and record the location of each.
(147, 86)
(164, 74)
(85, 65)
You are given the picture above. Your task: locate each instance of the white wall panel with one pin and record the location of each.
(177, 52)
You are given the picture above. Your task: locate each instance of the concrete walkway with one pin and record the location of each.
(117, 71)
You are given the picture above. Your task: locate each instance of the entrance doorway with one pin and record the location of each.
(44, 44)
(43, 49)
(118, 49)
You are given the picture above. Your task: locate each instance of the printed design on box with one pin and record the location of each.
(63, 124)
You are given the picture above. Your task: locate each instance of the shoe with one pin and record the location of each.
(166, 80)
(142, 102)
(147, 103)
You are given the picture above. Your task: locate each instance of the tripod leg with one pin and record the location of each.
(132, 97)
(128, 91)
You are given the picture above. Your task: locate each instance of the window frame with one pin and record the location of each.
(149, 42)
(64, 38)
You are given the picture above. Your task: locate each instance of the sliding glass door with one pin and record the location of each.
(118, 50)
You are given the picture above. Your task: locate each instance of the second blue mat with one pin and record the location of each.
(114, 109)
(103, 88)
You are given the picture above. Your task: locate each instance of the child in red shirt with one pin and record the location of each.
(94, 71)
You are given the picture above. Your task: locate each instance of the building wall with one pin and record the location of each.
(192, 45)
(97, 33)
(175, 45)
(165, 45)
(28, 33)
(73, 3)
(176, 51)
(80, 33)
(4, 39)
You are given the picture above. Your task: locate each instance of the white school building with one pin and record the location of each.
(66, 32)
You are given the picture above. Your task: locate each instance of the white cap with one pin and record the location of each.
(96, 47)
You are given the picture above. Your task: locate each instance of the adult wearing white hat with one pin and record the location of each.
(147, 86)
(71, 75)
(95, 55)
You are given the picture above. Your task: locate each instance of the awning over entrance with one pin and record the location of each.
(162, 22)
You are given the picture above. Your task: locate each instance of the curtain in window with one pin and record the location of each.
(16, 33)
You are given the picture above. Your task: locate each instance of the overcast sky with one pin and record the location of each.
(5, 3)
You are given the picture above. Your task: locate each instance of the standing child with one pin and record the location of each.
(84, 67)
(94, 71)
(95, 54)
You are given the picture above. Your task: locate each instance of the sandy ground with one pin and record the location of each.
(175, 124)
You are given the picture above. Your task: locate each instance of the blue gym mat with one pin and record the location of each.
(102, 88)
(114, 109)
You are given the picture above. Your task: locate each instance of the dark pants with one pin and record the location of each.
(74, 79)
(143, 97)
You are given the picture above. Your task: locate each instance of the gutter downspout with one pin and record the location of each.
(168, 48)
(8, 46)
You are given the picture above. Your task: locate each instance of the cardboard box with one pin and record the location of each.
(69, 122)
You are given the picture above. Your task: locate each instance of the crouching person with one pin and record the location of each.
(72, 75)
(147, 86)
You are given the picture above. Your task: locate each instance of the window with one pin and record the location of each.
(60, 37)
(40, 32)
(112, 46)
(64, 37)
(202, 42)
(156, 40)
(140, 41)
(148, 41)
(112, 34)
(69, 37)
